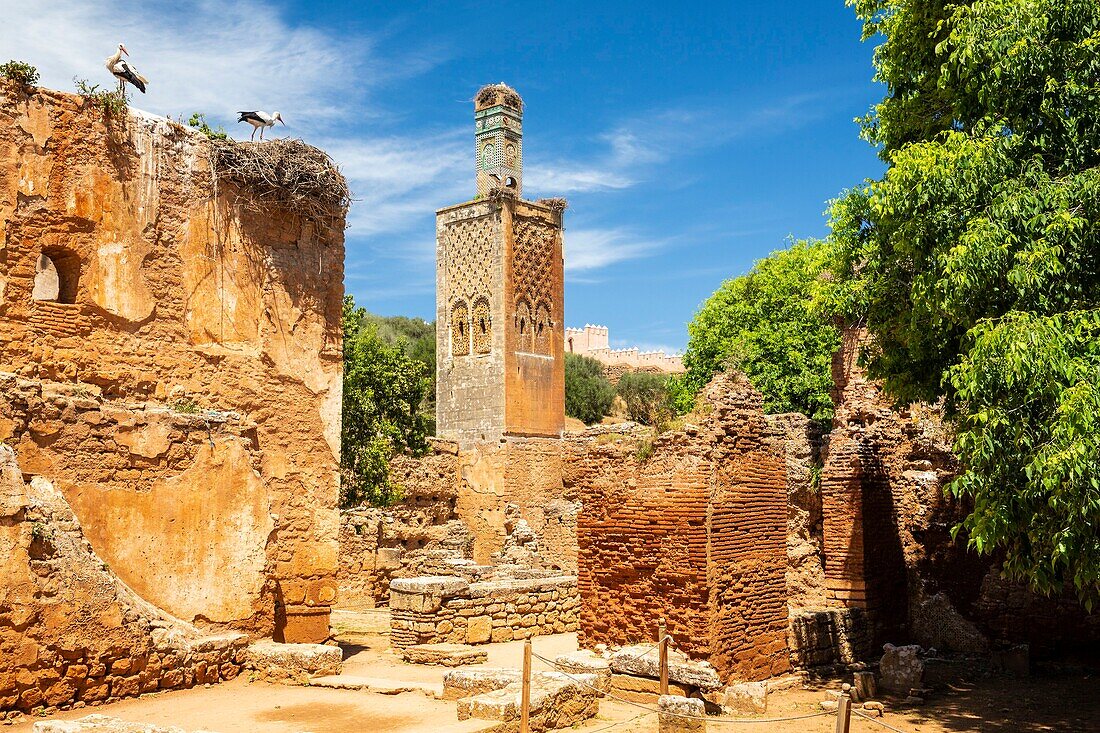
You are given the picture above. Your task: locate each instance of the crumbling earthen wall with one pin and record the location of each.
(691, 528)
(526, 473)
(417, 536)
(887, 531)
(70, 631)
(182, 302)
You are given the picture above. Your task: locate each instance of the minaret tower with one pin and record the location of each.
(500, 363)
(498, 137)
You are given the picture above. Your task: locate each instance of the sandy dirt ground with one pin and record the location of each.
(1046, 702)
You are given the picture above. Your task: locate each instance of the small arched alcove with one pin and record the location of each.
(483, 327)
(56, 276)
(460, 329)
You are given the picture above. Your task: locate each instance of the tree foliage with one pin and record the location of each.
(764, 324)
(975, 260)
(383, 392)
(647, 397)
(588, 393)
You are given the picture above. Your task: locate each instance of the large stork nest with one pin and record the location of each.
(488, 95)
(283, 173)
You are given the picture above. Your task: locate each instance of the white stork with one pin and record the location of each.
(122, 71)
(260, 121)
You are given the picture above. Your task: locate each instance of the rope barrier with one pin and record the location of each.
(873, 719)
(709, 719)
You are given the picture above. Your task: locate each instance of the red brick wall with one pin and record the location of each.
(694, 534)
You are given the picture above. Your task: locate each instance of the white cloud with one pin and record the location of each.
(397, 180)
(214, 57)
(589, 249)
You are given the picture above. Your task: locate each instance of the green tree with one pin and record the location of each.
(764, 324)
(417, 338)
(975, 260)
(383, 391)
(647, 397)
(588, 393)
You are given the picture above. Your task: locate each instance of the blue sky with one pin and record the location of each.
(690, 138)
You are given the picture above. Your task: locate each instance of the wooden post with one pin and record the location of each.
(843, 713)
(662, 646)
(525, 700)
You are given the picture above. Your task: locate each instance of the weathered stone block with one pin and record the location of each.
(291, 662)
(445, 655)
(901, 668)
(744, 697)
(644, 661)
(681, 715)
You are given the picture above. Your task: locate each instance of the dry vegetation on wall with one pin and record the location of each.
(289, 174)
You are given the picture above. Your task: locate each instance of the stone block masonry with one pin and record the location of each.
(434, 610)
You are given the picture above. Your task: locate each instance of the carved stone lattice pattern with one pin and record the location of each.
(532, 276)
(469, 252)
(542, 329)
(460, 329)
(482, 324)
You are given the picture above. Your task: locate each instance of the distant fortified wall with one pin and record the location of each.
(170, 362)
(594, 341)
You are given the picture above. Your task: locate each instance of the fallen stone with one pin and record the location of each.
(644, 689)
(294, 663)
(644, 661)
(557, 701)
(901, 668)
(1015, 660)
(863, 686)
(744, 697)
(586, 662)
(103, 724)
(444, 655)
(677, 714)
(875, 708)
(829, 706)
(913, 700)
(466, 682)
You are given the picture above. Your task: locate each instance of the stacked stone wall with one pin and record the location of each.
(453, 610)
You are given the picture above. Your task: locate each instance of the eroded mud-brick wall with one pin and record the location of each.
(887, 542)
(168, 298)
(694, 533)
(70, 630)
(417, 536)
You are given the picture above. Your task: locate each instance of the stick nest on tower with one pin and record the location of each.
(489, 94)
(286, 174)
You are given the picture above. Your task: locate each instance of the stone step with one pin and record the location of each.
(377, 684)
(444, 655)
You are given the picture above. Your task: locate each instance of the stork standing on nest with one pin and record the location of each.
(260, 121)
(122, 71)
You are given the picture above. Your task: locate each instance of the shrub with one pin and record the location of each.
(198, 121)
(647, 398)
(588, 393)
(19, 72)
(109, 102)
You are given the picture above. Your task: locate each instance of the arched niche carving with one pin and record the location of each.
(542, 328)
(460, 329)
(481, 323)
(524, 328)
